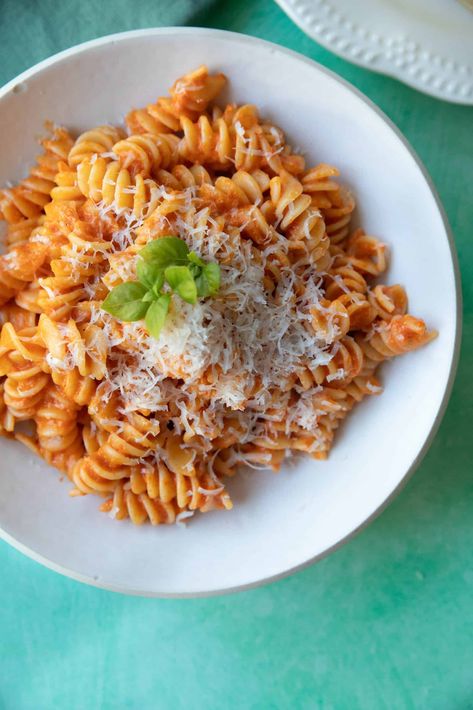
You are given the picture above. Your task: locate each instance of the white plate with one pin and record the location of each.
(280, 522)
(427, 44)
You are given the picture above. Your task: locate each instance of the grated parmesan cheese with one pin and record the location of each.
(234, 355)
(184, 515)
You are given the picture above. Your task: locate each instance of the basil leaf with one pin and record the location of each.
(195, 270)
(165, 252)
(192, 256)
(202, 286)
(149, 296)
(181, 281)
(150, 274)
(211, 272)
(156, 315)
(125, 301)
(208, 282)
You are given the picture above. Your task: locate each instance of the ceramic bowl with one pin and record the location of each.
(280, 522)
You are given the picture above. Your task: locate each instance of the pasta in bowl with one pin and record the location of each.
(185, 296)
(270, 365)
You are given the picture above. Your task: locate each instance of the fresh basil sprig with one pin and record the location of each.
(164, 261)
(181, 281)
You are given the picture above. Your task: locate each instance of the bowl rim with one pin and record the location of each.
(244, 39)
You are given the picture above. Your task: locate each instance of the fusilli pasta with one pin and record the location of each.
(272, 363)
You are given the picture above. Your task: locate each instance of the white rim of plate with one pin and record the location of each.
(244, 39)
(403, 58)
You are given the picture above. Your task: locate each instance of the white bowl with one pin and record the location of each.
(280, 522)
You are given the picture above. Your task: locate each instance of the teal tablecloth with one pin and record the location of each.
(384, 623)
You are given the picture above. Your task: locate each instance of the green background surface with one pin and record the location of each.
(385, 622)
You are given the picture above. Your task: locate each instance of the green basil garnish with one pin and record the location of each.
(163, 261)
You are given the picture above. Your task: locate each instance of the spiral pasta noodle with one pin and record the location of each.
(19, 267)
(118, 456)
(111, 184)
(182, 177)
(20, 232)
(76, 267)
(27, 200)
(189, 96)
(24, 389)
(97, 141)
(302, 224)
(139, 507)
(145, 153)
(57, 430)
(273, 362)
(400, 334)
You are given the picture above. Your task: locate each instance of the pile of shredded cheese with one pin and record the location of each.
(249, 341)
